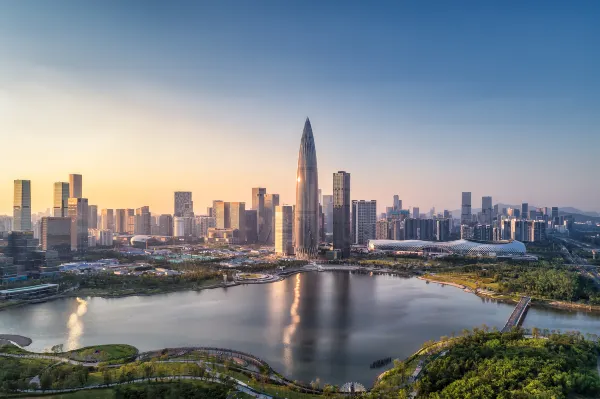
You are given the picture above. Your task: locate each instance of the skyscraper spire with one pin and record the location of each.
(306, 226)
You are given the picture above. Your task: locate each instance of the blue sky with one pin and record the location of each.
(422, 99)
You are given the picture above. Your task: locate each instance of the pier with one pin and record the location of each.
(518, 314)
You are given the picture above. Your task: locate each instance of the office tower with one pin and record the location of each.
(535, 230)
(486, 210)
(397, 203)
(267, 233)
(209, 211)
(120, 221)
(104, 238)
(382, 230)
(130, 221)
(8, 270)
(320, 197)
(56, 235)
(165, 225)
(524, 210)
(251, 226)
(466, 232)
(465, 214)
(93, 216)
(20, 247)
(237, 218)
(258, 204)
(328, 212)
(442, 229)
(447, 214)
(179, 226)
(284, 227)
(306, 218)
(341, 213)
(415, 212)
(78, 212)
(221, 211)
(364, 221)
(6, 223)
(108, 220)
(555, 217)
(61, 199)
(203, 223)
(75, 186)
(22, 206)
(142, 221)
(483, 232)
(496, 212)
(184, 206)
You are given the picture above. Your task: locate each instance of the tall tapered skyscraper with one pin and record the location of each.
(306, 218)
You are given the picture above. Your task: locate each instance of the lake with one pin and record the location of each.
(330, 325)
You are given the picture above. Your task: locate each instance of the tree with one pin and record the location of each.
(107, 377)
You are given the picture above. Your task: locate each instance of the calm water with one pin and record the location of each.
(327, 325)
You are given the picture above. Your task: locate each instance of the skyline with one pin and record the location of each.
(423, 102)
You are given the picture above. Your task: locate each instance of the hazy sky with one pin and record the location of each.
(422, 99)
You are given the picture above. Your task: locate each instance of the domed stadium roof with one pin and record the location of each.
(458, 247)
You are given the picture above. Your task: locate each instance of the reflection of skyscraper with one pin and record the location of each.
(75, 186)
(341, 212)
(61, 199)
(306, 227)
(22, 206)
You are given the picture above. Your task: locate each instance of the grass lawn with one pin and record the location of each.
(102, 353)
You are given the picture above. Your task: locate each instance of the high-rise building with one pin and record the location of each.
(221, 211)
(341, 213)
(328, 212)
(203, 223)
(447, 214)
(306, 218)
(78, 212)
(465, 213)
(108, 220)
(22, 206)
(20, 247)
(93, 216)
(442, 229)
(382, 230)
(237, 218)
(267, 234)
(184, 206)
(258, 204)
(142, 221)
(397, 202)
(524, 210)
(486, 210)
(120, 221)
(165, 225)
(130, 221)
(364, 221)
(61, 199)
(56, 234)
(104, 238)
(284, 224)
(251, 226)
(75, 186)
(179, 226)
(415, 212)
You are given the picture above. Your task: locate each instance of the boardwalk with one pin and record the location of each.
(518, 314)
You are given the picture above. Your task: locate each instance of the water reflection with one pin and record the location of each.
(75, 325)
(290, 329)
(342, 319)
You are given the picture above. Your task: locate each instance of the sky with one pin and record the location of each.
(421, 99)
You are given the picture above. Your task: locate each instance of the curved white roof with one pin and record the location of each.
(458, 247)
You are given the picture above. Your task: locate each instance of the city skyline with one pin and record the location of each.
(119, 97)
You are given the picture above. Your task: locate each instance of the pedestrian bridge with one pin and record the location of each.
(518, 314)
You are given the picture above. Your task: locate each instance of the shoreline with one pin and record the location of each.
(546, 303)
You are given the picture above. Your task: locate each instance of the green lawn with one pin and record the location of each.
(102, 353)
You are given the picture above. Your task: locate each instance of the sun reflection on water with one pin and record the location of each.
(290, 329)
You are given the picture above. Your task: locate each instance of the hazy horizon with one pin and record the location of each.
(424, 101)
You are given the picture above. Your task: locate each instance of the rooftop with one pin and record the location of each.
(25, 289)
